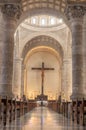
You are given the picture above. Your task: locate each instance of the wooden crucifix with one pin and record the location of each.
(42, 75)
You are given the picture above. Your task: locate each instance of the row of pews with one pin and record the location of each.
(11, 109)
(79, 111)
(75, 110)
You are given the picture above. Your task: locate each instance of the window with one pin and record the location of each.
(43, 21)
(33, 20)
(52, 22)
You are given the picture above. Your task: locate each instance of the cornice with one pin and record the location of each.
(11, 10)
(75, 11)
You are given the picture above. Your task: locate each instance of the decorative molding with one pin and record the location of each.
(10, 1)
(12, 10)
(42, 41)
(58, 5)
(75, 11)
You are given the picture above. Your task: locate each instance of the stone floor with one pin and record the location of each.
(41, 118)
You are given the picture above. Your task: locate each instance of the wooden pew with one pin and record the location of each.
(0, 110)
(4, 108)
(31, 104)
(54, 105)
(79, 111)
(10, 109)
(14, 109)
(65, 108)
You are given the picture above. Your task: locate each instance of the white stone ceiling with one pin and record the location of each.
(53, 4)
(58, 5)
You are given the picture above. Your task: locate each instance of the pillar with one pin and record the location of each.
(84, 50)
(75, 15)
(8, 18)
(66, 79)
(17, 77)
(25, 82)
(22, 79)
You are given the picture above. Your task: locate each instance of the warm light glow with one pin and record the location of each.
(33, 20)
(53, 21)
(60, 21)
(52, 51)
(43, 21)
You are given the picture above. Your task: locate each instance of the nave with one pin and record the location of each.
(42, 118)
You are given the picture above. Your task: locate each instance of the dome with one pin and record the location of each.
(43, 21)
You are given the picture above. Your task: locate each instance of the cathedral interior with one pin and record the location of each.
(48, 92)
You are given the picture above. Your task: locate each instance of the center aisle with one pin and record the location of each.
(42, 118)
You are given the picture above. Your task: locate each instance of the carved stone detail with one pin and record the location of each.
(76, 11)
(42, 40)
(12, 10)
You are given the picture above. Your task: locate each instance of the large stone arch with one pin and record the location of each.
(42, 41)
(39, 42)
(36, 34)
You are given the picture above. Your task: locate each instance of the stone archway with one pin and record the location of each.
(49, 44)
(41, 41)
(54, 10)
(72, 14)
(37, 10)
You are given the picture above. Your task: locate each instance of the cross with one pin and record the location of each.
(42, 75)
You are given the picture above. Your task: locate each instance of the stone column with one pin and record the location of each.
(66, 79)
(75, 15)
(8, 16)
(25, 81)
(22, 79)
(17, 77)
(84, 50)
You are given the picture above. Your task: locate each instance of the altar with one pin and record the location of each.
(42, 97)
(42, 100)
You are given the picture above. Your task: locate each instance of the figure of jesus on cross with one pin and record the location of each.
(42, 76)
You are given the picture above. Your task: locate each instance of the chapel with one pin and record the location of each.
(42, 64)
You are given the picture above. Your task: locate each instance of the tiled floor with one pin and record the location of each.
(41, 118)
